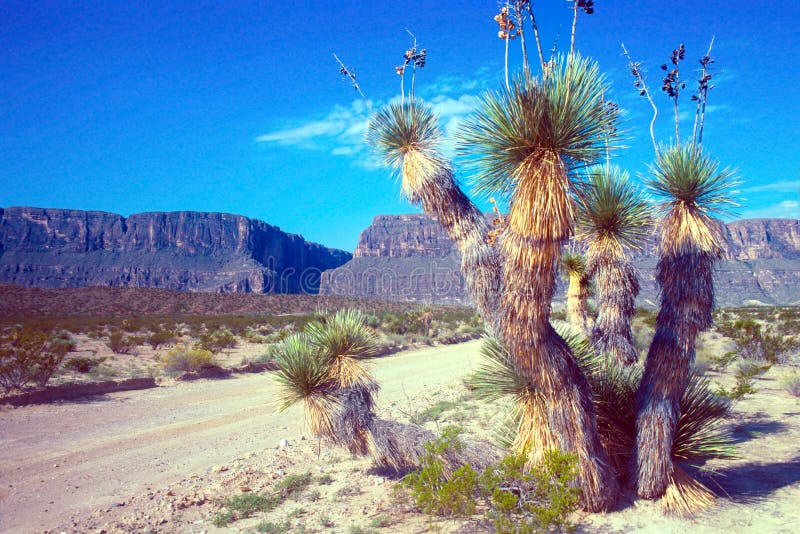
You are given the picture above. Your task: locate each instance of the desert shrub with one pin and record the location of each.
(82, 364)
(161, 337)
(517, 499)
(28, 355)
(433, 489)
(541, 499)
(216, 341)
(409, 322)
(745, 374)
(792, 384)
(433, 413)
(755, 342)
(119, 343)
(647, 317)
(182, 358)
(246, 504)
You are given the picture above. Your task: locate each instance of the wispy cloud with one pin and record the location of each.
(786, 209)
(787, 186)
(340, 131)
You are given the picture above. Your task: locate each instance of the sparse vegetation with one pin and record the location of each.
(183, 358)
(28, 355)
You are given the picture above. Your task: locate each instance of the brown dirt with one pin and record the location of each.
(70, 459)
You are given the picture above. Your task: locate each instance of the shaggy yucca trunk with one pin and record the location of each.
(690, 245)
(687, 298)
(616, 287)
(408, 138)
(531, 246)
(440, 196)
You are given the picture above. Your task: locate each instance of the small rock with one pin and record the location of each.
(283, 443)
(244, 489)
(198, 522)
(219, 468)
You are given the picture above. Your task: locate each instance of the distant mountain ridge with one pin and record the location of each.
(410, 257)
(183, 250)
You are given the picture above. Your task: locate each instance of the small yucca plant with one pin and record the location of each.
(321, 367)
(573, 265)
(613, 218)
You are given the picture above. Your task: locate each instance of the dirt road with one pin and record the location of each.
(73, 457)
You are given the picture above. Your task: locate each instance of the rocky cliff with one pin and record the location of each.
(185, 250)
(410, 257)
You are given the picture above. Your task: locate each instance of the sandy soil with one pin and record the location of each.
(162, 460)
(71, 458)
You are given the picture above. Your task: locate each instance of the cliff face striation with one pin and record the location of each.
(191, 251)
(410, 257)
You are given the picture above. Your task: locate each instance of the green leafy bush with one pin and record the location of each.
(745, 375)
(754, 342)
(28, 355)
(216, 341)
(182, 358)
(517, 499)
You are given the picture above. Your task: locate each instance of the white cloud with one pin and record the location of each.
(786, 209)
(341, 126)
(787, 186)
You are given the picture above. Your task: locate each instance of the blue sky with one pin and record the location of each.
(238, 106)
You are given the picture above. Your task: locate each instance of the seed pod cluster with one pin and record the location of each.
(508, 30)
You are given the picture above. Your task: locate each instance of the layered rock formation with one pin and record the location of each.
(409, 257)
(216, 252)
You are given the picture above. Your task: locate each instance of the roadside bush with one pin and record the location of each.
(82, 364)
(182, 358)
(517, 499)
(28, 355)
(119, 343)
(216, 341)
(756, 343)
(161, 337)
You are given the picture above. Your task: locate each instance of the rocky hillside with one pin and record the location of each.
(409, 257)
(190, 251)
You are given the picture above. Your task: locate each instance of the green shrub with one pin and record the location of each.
(745, 376)
(433, 413)
(244, 505)
(517, 499)
(28, 355)
(542, 499)
(82, 364)
(216, 341)
(182, 358)
(122, 344)
(161, 337)
(756, 343)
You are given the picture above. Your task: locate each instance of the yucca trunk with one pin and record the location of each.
(529, 273)
(577, 301)
(616, 287)
(687, 298)
(429, 181)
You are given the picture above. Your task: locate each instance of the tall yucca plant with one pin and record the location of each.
(693, 189)
(699, 436)
(527, 144)
(321, 368)
(613, 216)
(573, 266)
(408, 138)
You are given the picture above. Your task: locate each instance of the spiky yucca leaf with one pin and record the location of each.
(573, 264)
(612, 213)
(344, 333)
(304, 376)
(693, 189)
(301, 371)
(398, 128)
(561, 116)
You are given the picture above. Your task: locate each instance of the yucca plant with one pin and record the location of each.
(613, 218)
(321, 368)
(573, 265)
(699, 435)
(527, 145)
(693, 189)
(407, 136)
